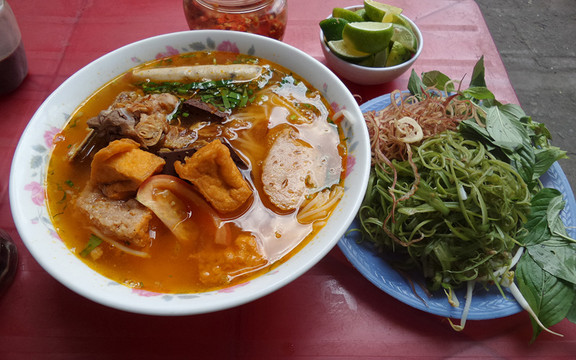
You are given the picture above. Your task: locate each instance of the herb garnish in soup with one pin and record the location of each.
(196, 172)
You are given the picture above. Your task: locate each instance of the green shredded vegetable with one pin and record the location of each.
(461, 222)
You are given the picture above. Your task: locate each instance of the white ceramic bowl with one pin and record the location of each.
(28, 173)
(365, 75)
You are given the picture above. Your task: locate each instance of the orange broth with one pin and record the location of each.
(172, 267)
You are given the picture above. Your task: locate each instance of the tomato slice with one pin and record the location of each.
(182, 209)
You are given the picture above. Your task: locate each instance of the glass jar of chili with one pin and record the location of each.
(263, 17)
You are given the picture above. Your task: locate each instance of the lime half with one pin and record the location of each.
(368, 36)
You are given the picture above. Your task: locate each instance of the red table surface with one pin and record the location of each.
(331, 311)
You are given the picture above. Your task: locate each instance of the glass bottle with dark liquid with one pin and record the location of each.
(8, 261)
(13, 63)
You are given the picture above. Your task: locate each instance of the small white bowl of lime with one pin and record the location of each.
(370, 44)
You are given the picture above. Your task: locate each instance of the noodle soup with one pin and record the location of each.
(196, 172)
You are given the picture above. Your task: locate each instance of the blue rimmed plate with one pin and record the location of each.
(486, 303)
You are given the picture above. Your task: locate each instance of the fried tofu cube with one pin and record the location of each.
(120, 168)
(213, 171)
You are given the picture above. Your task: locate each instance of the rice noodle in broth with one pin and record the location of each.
(179, 178)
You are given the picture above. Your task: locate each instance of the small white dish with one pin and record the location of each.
(365, 75)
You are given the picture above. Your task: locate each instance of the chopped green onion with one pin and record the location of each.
(93, 242)
(225, 95)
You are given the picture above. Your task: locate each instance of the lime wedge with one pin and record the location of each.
(405, 36)
(332, 28)
(346, 14)
(368, 62)
(398, 54)
(346, 52)
(368, 36)
(362, 12)
(396, 19)
(375, 11)
(380, 58)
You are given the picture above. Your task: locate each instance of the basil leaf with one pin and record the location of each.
(438, 80)
(540, 133)
(550, 298)
(505, 131)
(559, 261)
(513, 112)
(545, 158)
(555, 206)
(471, 129)
(572, 313)
(479, 93)
(478, 76)
(523, 160)
(546, 241)
(537, 222)
(415, 85)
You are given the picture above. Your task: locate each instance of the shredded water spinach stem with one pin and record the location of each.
(460, 223)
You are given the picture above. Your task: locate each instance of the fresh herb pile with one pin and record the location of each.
(467, 206)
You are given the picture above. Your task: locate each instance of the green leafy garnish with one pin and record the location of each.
(225, 95)
(93, 242)
(546, 274)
